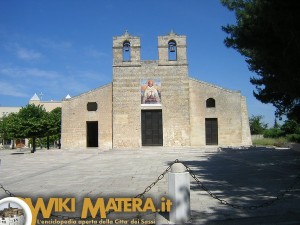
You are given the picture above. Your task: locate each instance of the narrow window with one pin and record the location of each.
(126, 51)
(172, 50)
(92, 106)
(210, 103)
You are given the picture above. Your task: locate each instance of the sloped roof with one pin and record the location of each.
(68, 97)
(35, 98)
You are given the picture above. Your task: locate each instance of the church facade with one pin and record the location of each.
(154, 103)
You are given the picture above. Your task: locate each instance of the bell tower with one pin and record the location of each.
(126, 91)
(172, 49)
(126, 50)
(173, 72)
(170, 124)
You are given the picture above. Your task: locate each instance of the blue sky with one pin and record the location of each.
(65, 47)
(12, 204)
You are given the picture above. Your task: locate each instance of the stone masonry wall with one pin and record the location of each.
(75, 115)
(127, 94)
(127, 103)
(246, 135)
(228, 111)
(183, 103)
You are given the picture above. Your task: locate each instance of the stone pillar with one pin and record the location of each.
(179, 192)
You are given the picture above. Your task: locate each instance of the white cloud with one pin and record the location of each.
(11, 89)
(57, 45)
(54, 84)
(28, 72)
(23, 53)
(27, 54)
(89, 75)
(92, 52)
(42, 73)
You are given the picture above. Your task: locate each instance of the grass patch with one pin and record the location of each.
(278, 142)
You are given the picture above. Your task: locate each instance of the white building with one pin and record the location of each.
(12, 216)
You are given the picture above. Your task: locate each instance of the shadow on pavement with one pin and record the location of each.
(247, 178)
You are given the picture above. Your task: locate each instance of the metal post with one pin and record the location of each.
(179, 192)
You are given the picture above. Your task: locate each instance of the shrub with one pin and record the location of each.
(289, 127)
(264, 142)
(293, 137)
(256, 125)
(273, 133)
(279, 142)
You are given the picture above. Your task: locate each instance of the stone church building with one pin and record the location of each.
(154, 103)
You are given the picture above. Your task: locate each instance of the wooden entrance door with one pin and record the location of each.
(211, 131)
(152, 133)
(92, 134)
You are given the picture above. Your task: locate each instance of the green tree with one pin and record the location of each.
(256, 124)
(3, 132)
(294, 114)
(33, 123)
(54, 125)
(274, 132)
(290, 127)
(10, 127)
(267, 33)
(55, 121)
(276, 124)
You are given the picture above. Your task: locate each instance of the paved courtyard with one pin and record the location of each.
(240, 176)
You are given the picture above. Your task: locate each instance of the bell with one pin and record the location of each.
(126, 47)
(172, 48)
